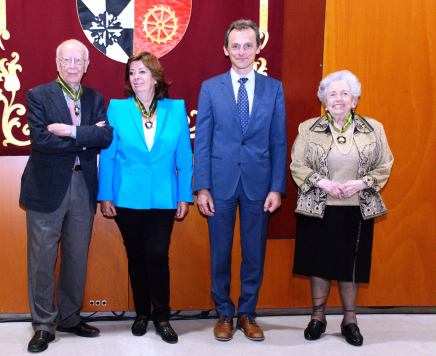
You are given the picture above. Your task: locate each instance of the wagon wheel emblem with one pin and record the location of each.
(160, 24)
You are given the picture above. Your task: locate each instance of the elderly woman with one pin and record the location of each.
(145, 182)
(340, 162)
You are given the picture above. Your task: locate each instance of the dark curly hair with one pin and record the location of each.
(157, 71)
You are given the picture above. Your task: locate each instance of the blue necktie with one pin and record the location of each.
(242, 104)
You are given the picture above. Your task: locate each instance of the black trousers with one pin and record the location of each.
(146, 235)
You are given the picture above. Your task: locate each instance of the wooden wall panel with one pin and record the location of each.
(13, 238)
(107, 271)
(107, 280)
(390, 46)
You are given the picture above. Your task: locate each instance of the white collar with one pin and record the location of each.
(235, 76)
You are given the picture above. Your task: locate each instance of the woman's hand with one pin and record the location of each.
(331, 187)
(182, 210)
(351, 187)
(107, 208)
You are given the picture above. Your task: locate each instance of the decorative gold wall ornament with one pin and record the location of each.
(261, 63)
(160, 24)
(191, 116)
(10, 84)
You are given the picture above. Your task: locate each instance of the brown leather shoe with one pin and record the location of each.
(248, 325)
(223, 330)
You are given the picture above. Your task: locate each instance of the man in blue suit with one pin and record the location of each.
(240, 159)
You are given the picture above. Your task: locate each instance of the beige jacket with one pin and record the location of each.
(309, 164)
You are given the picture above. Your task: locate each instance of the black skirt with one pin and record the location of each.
(336, 247)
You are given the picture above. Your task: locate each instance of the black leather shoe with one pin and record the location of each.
(40, 340)
(166, 332)
(352, 334)
(139, 326)
(314, 329)
(81, 329)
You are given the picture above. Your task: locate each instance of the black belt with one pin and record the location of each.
(77, 167)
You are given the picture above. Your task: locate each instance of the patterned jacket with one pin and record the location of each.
(309, 164)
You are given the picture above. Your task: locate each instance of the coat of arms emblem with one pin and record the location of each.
(119, 28)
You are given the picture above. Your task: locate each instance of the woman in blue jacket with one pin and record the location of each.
(145, 179)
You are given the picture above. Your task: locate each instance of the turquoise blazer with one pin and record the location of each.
(131, 175)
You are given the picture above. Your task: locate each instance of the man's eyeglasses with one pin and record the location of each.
(70, 61)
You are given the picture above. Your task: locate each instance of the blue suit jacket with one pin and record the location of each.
(132, 176)
(223, 155)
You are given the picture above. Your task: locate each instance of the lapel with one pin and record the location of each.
(259, 90)
(161, 113)
(228, 93)
(85, 107)
(58, 100)
(162, 110)
(135, 115)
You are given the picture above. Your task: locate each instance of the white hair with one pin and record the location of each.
(58, 48)
(346, 75)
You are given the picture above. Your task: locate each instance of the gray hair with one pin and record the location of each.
(58, 48)
(346, 75)
(240, 25)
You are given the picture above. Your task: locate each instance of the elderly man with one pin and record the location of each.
(240, 159)
(59, 189)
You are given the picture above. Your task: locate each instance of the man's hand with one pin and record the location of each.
(182, 210)
(272, 202)
(205, 202)
(107, 208)
(62, 130)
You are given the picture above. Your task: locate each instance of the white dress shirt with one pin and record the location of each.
(249, 86)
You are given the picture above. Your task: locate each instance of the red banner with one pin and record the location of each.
(190, 47)
(159, 28)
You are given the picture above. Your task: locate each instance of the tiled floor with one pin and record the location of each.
(392, 334)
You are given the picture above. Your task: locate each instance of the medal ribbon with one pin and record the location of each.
(73, 95)
(345, 126)
(143, 110)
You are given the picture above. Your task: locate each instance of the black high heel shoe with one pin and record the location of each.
(352, 334)
(314, 329)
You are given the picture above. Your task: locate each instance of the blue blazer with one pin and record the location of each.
(223, 155)
(134, 177)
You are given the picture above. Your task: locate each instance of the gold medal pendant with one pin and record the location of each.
(341, 140)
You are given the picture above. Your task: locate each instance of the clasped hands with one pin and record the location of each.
(341, 190)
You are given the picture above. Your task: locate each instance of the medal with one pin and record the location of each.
(73, 95)
(76, 109)
(146, 114)
(341, 139)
